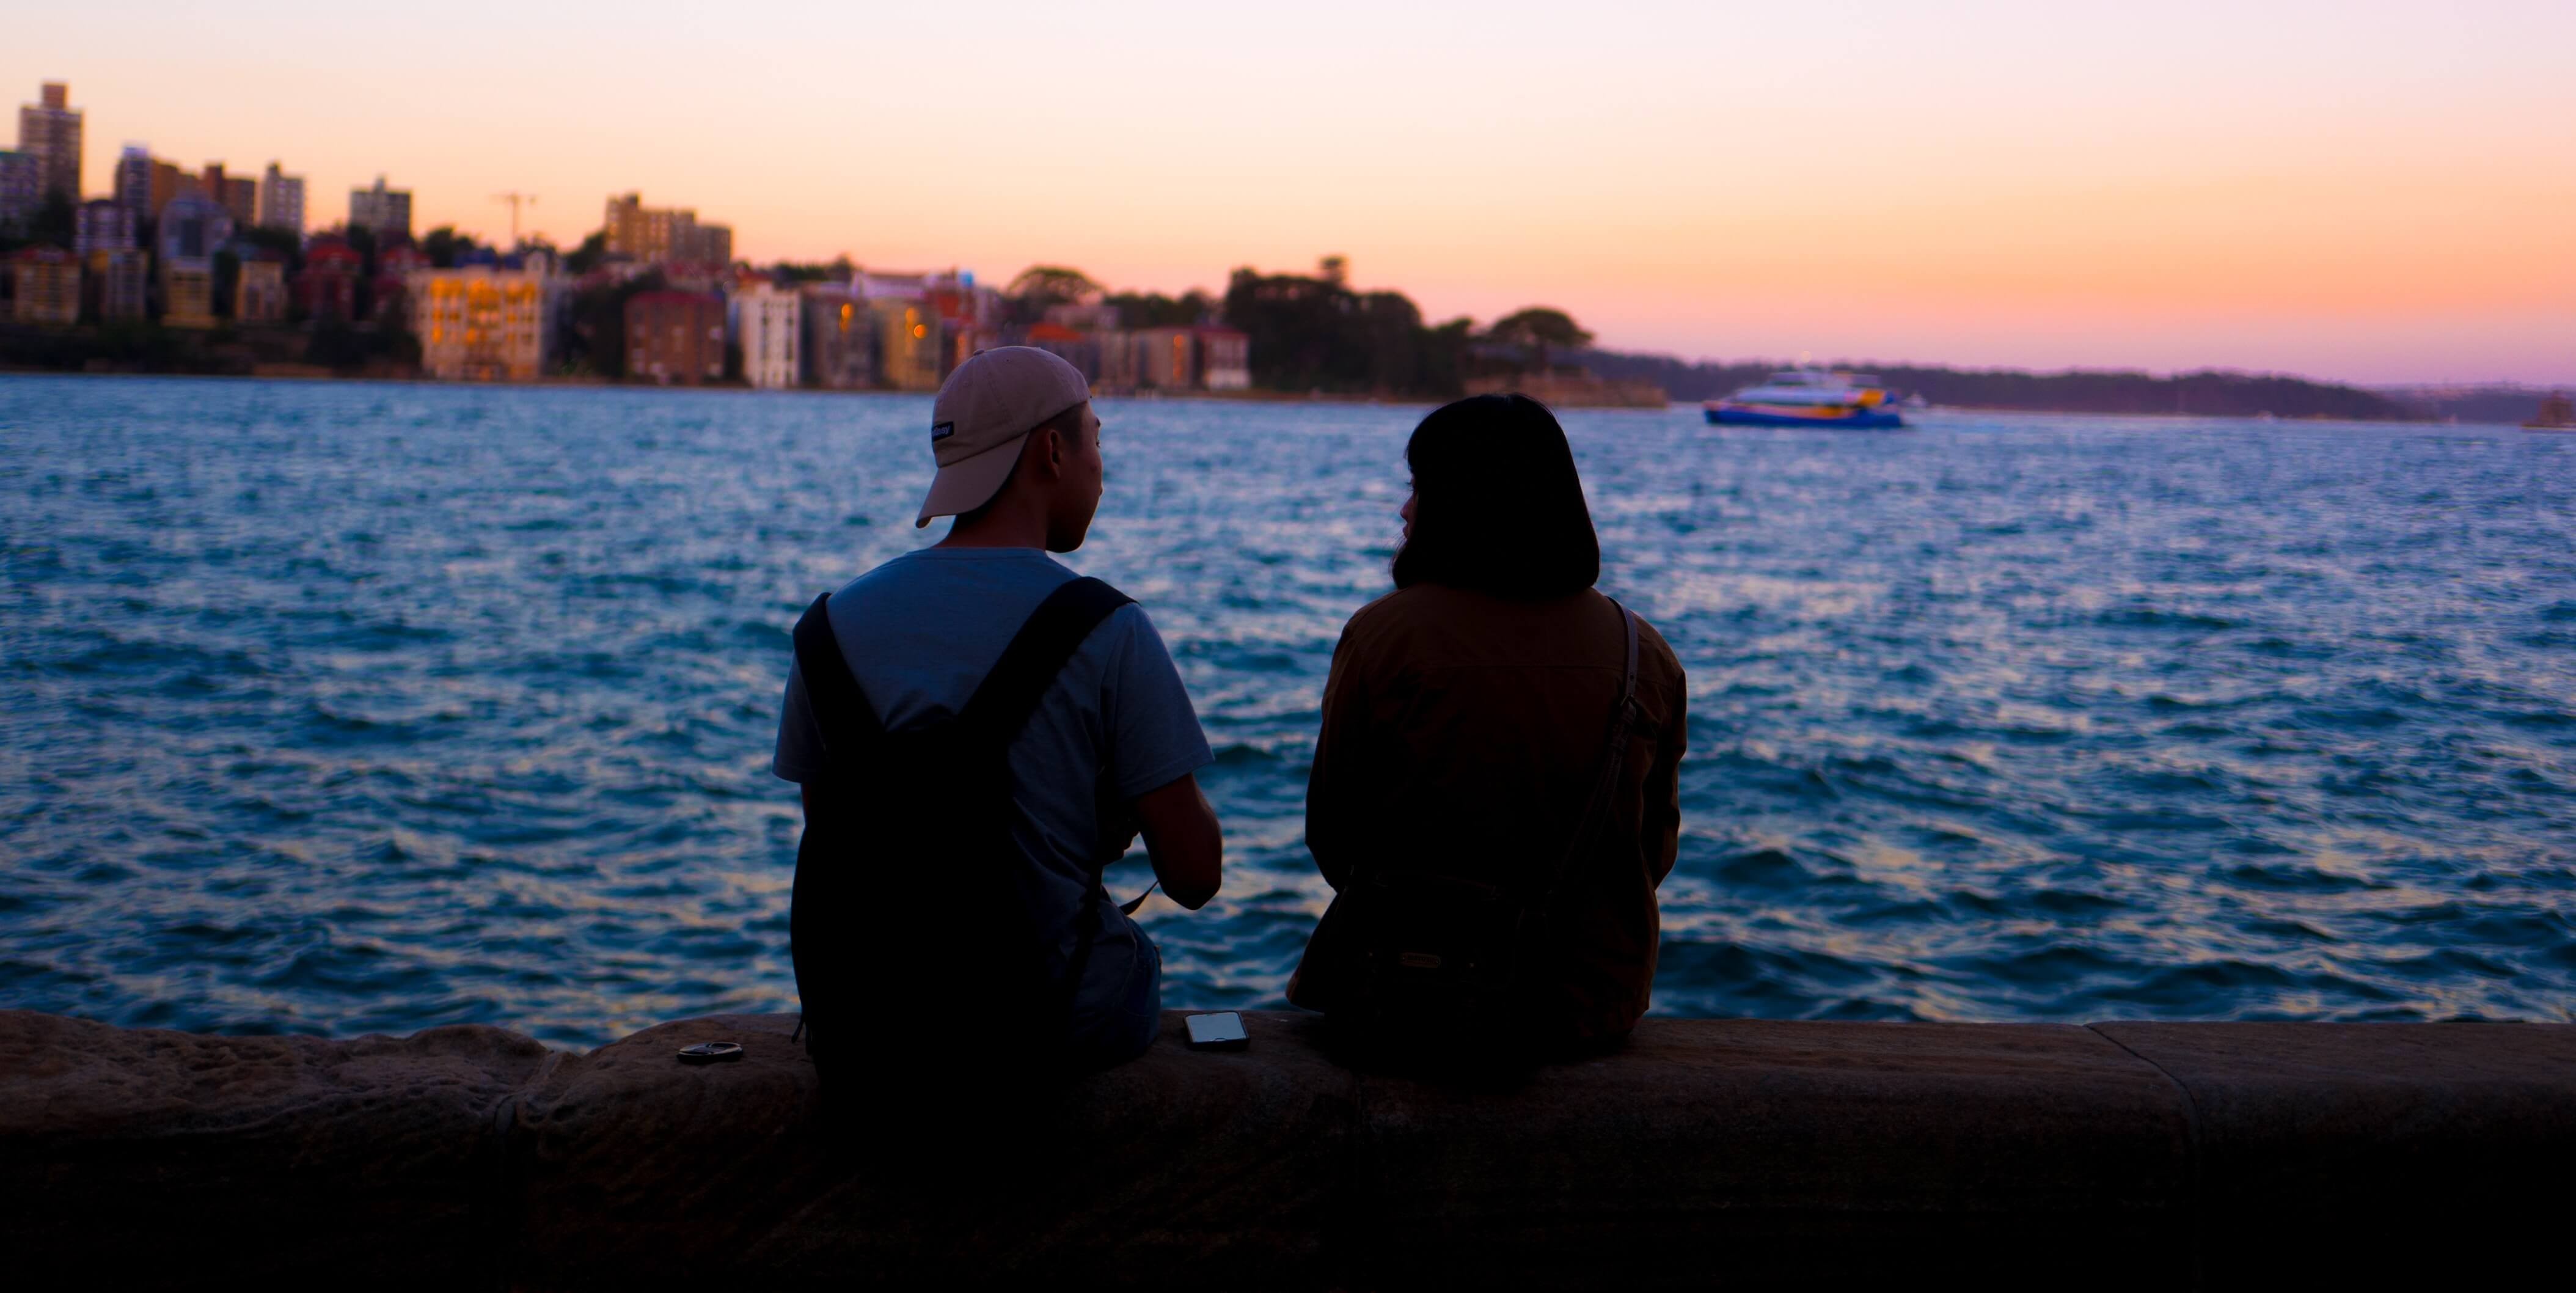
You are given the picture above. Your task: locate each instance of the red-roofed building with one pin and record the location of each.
(390, 301)
(1079, 349)
(328, 286)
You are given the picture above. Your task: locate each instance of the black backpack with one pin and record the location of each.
(918, 954)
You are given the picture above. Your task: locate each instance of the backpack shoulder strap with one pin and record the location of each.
(841, 710)
(1038, 652)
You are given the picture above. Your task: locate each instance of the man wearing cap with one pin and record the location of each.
(1019, 466)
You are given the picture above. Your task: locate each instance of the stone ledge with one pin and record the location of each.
(2145, 1155)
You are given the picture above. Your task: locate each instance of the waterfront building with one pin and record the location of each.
(840, 339)
(1080, 349)
(116, 285)
(259, 289)
(45, 284)
(281, 200)
(1166, 358)
(871, 285)
(20, 192)
(102, 224)
(188, 291)
(1117, 361)
(764, 320)
(387, 212)
(192, 227)
(908, 343)
(50, 131)
(482, 324)
(1083, 318)
(663, 235)
(675, 338)
(1225, 360)
(389, 293)
(328, 286)
(132, 188)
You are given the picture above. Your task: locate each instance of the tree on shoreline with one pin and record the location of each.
(1535, 330)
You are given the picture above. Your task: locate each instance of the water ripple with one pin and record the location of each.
(338, 707)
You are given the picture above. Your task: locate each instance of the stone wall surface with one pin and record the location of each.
(1705, 1152)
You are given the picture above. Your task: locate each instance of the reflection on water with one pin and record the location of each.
(341, 707)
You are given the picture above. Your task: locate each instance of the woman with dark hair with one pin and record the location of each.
(1494, 795)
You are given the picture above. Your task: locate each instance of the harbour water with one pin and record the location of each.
(338, 707)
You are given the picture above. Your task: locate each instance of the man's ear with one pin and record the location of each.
(1050, 451)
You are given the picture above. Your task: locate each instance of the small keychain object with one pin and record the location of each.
(711, 1053)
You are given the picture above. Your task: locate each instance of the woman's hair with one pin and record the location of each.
(1497, 506)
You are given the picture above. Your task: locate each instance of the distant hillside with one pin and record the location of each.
(2509, 405)
(2207, 394)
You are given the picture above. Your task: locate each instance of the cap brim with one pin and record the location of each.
(969, 483)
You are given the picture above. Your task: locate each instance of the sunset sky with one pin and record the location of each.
(2359, 191)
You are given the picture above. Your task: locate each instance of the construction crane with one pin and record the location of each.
(514, 199)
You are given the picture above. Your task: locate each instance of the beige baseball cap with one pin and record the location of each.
(984, 413)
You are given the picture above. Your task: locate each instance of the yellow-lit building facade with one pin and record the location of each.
(1166, 358)
(259, 292)
(188, 292)
(47, 284)
(908, 343)
(482, 325)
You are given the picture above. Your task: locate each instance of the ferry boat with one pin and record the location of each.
(1808, 397)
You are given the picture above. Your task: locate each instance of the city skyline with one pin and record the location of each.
(2357, 193)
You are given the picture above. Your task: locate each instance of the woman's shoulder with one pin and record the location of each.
(1659, 667)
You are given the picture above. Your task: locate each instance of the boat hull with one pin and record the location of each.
(1854, 420)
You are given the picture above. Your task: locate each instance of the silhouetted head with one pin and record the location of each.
(1496, 505)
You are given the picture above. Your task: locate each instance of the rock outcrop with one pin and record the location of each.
(2135, 1155)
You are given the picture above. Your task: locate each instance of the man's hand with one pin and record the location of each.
(1181, 833)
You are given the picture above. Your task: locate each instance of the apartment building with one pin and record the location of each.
(188, 293)
(840, 338)
(20, 191)
(1166, 358)
(45, 284)
(49, 130)
(385, 211)
(102, 225)
(117, 285)
(132, 186)
(483, 324)
(661, 235)
(765, 322)
(239, 194)
(281, 200)
(675, 338)
(908, 343)
(1225, 360)
(328, 287)
(259, 290)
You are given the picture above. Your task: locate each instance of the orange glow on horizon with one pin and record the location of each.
(2365, 191)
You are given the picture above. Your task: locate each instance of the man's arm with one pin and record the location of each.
(1181, 834)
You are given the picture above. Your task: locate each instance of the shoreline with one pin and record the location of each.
(1253, 396)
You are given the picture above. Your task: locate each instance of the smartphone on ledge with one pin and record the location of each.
(1222, 1031)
